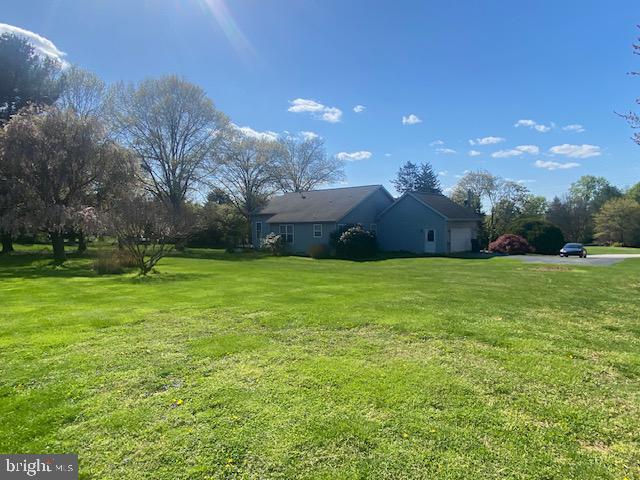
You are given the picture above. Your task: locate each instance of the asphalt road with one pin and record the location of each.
(596, 260)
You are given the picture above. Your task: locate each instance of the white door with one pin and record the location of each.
(460, 239)
(429, 240)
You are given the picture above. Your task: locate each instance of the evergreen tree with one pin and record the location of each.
(427, 180)
(416, 178)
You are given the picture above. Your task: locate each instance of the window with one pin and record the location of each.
(286, 230)
(373, 228)
(431, 236)
(317, 230)
(258, 230)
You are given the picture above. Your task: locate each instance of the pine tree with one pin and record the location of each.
(427, 180)
(416, 178)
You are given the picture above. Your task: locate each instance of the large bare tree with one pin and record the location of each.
(303, 164)
(632, 117)
(175, 131)
(61, 162)
(245, 172)
(83, 92)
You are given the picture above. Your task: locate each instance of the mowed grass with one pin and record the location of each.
(241, 366)
(597, 249)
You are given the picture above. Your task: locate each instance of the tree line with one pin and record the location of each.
(78, 157)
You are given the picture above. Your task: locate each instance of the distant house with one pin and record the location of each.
(416, 222)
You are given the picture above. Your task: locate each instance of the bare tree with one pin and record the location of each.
(173, 128)
(246, 172)
(632, 117)
(303, 164)
(60, 161)
(83, 92)
(146, 229)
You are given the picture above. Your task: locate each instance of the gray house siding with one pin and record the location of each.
(262, 219)
(367, 212)
(303, 237)
(403, 227)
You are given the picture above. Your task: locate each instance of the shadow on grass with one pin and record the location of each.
(40, 264)
(212, 254)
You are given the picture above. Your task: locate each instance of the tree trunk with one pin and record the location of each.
(7, 242)
(57, 241)
(82, 242)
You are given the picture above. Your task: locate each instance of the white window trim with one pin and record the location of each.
(314, 230)
(293, 230)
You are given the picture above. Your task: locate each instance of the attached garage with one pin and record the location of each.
(426, 223)
(461, 239)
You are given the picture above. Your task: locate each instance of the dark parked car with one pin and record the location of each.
(576, 249)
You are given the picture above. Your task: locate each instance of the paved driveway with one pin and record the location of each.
(600, 260)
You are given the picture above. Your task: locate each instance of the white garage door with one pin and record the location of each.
(461, 239)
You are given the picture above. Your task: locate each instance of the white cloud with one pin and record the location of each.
(576, 151)
(359, 108)
(318, 110)
(549, 165)
(387, 154)
(354, 156)
(574, 127)
(250, 132)
(436, 142)
(309, 135)
(445, 151)
(411, 119)
(474, 153)
(42, 45)
(486, 141)
(534, 125)
(443, 173)
(519, 150)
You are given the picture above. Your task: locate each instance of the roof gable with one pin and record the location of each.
(329, 205)
(440, 204)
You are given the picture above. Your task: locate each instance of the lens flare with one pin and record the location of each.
(224, 18)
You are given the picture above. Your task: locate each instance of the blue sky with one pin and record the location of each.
(432, 76)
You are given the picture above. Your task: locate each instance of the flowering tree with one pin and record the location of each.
(57, 164)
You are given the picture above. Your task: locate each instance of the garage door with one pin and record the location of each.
(460, 239)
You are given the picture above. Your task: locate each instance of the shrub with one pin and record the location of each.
(356, 242)
(107, 263)
(542, 235)
(510, 244)
(273, 244)
(319, 250)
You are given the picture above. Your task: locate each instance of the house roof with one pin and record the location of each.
(440, 204)
(329, 205)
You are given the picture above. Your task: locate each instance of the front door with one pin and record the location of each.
(429, 240)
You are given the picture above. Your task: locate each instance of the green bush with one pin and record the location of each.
(319, 250)
(356, 243)
(542, 235)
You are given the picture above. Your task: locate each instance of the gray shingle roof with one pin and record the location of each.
(446, 206)
(328, 205)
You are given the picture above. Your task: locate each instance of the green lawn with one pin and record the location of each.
(596, 249)
(238, 366)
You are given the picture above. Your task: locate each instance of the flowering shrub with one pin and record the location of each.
(510, 244)
(273, 244)
(356, 242)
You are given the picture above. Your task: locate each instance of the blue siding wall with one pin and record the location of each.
(303, 237)
(402, 227)
(367, 212)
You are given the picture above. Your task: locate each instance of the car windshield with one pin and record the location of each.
(573, 245)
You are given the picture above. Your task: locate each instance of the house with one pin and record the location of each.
(308, 218)
(415, 222)
(427, 223)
